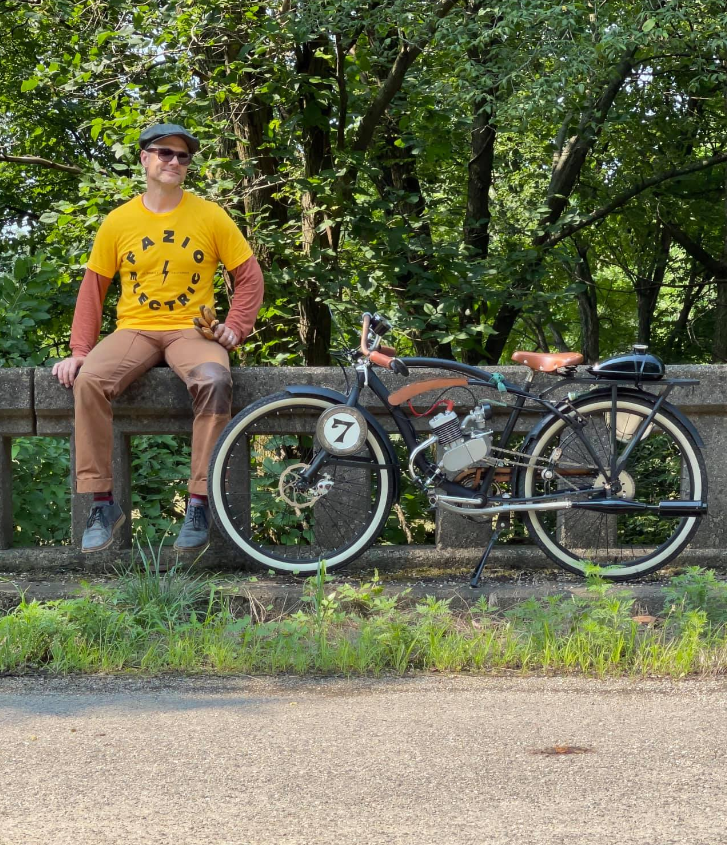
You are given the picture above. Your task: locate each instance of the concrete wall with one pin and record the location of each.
(32, 402)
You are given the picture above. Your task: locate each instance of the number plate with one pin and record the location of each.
(342, 430)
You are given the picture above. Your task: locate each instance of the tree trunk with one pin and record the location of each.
(315, 318)
(251, 122)
(398, 183)
(691, 295)
(560, 343)
(248, 117)
(587, 307)
(536, 325)
(479, 183)
(717, 268)
(719, 347)
(477, 220)
(649, 285)
(397, 175)
(567, 165)
(315, 329)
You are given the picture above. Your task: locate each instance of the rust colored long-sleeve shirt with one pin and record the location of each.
(247, 298)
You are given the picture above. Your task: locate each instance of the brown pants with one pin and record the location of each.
(117, 361)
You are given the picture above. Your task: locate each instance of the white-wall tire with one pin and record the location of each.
(653, 559)
(286, 560)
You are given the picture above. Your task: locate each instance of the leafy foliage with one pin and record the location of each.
(27, 312)
(160, 469)
(42, 492)
(473, 171)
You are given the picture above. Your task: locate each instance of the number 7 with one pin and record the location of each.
(337, 423)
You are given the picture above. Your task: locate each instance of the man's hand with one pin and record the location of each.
(67, 369)
(226, 337)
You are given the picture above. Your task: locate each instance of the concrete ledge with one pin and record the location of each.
(273, 596)
(160, 393)
(222, 558)
(385, 559)
(160, 396)
(17, 418)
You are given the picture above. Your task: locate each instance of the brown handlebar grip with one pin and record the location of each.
(388, 350)
(364, 334)
(381, 360)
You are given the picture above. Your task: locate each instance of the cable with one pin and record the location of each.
(439, 401)
(339, 358)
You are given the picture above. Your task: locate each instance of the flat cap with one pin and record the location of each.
(164, 130)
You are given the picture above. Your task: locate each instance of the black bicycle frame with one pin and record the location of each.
(481, 378)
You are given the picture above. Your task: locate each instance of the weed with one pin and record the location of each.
(697, 589)
(157, 597)
(156, 621)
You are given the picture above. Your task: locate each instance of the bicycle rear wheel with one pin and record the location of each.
(260, 507)
(665, 464)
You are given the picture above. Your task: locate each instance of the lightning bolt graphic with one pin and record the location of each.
(165, 272)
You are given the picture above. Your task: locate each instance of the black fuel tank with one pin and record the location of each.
(638, 365)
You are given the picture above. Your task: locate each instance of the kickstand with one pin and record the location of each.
(502, 523)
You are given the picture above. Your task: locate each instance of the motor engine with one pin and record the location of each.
(462, 444)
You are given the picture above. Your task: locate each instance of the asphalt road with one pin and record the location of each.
(434, 759)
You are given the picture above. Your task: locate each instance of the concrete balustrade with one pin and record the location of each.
(32, 402)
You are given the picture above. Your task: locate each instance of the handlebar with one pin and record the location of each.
(382, 356)
(366, 323)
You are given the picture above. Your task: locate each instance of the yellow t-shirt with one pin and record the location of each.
(166, 261)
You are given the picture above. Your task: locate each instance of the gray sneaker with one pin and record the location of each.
(103, 522)
(195, 533)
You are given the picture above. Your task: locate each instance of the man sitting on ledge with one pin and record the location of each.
(166, 245)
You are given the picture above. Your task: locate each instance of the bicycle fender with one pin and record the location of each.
(640, 394)
(341, 399)
(627, 391)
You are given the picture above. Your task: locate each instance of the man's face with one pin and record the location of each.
(169, 173)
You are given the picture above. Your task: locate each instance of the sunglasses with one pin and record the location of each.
(166, 155)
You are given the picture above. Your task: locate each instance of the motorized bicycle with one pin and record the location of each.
(610, 473)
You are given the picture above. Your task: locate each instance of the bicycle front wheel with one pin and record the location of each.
(276, 522)
(666, 464)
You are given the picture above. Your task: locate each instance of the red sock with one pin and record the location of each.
(104, 497)
(196, 499)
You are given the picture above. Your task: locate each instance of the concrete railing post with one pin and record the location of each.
(122, 484)
(16, 420)
(6, 493)
(80, 502)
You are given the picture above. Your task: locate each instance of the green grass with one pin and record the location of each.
(155, 621)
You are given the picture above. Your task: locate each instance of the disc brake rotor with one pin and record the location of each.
(298, 498)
